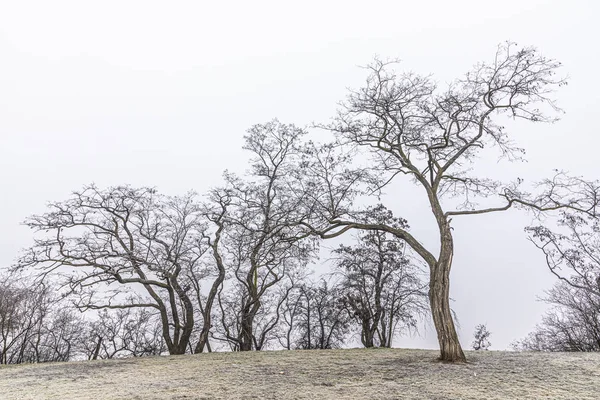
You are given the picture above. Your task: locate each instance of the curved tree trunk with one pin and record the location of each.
(439, 299)
(203, 340)
(246, 332)
(206, 312)
(246, 335)
(368, 335)
(97, 349)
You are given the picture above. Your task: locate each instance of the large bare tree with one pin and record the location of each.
(125, 248)
(262, 242)
(432, 137)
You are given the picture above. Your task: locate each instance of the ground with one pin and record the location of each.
(316, 374)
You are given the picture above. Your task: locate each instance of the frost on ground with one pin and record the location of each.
(325, 374)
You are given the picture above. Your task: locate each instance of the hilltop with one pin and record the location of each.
(325, 374)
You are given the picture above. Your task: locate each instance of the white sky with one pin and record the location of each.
(160, 94)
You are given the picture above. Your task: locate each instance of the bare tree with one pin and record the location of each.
(36, 325)
(481, 338)
(23, 312)
(572, 254)
(572, 250)
(59, 337)
(432, 138)
(123, 333)
(323, 322)
(571, 324)
(230, 303)
(291, 312)
(125, 248)
(267, 321)
(381, 287)
(262, 242)
(216, 212)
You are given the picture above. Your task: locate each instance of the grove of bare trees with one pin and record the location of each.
(572, 252)
(232, 269)
(571, 324)
(143, 249)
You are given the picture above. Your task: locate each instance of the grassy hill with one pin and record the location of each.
(332, 374)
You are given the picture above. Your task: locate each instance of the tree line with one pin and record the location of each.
(231, 267)
(374, 291)
(164, 274)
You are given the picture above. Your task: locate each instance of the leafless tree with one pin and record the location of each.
(572, 250)
(433, 137)
(291, 312)
(380, 286)
(572, 253)
(481, 338)
(125, 248)
(323, 322)
(262, 242)
(267, 320)
(572, 323)
(123, 333)
(58, 338)
(22, 313)
(216, 212)
(35, 324)
(228, 315)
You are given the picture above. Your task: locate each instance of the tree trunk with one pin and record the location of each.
(202, 341)
(246, 325)
(246, 335)
(176, 350)
(97, 349)
(206, 324)
(367, 338)
(368, 333)
(439, 298)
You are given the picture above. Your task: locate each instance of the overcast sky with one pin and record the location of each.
(160, 94)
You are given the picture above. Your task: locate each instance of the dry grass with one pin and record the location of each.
(334, 374)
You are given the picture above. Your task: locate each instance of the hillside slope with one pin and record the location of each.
(332, 374)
